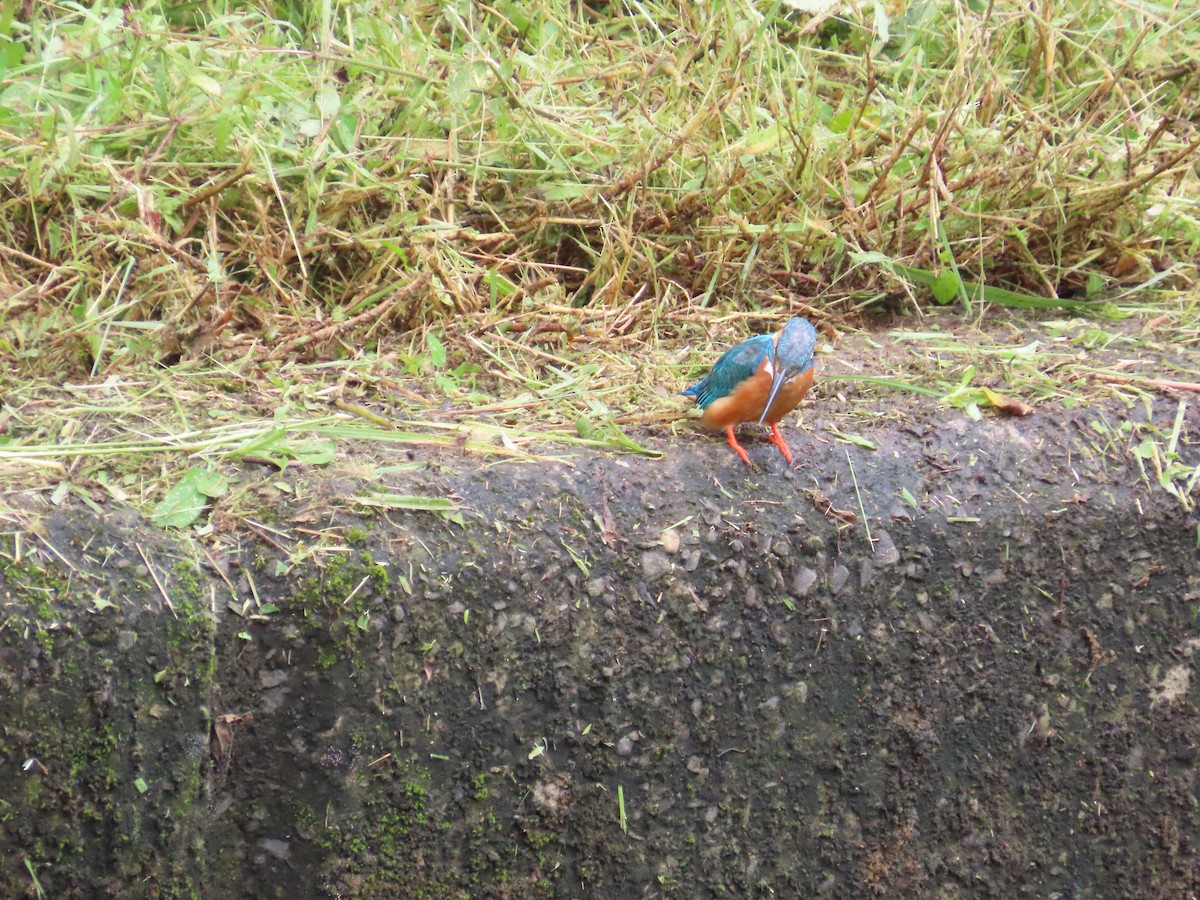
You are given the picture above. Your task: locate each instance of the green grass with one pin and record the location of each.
(526, 219)
(219, 178)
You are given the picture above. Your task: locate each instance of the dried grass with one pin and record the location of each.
(270, 184)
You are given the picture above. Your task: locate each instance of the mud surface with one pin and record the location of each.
(625, 678)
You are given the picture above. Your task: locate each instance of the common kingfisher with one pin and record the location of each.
(760, 380)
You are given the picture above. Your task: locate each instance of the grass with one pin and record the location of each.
(515, 223)
(279, 179)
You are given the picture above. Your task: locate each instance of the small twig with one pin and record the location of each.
(283, 210)
(357, 588)
(25, 257)
(162, 590)
(66, 562)
(264, 531)
(825, 505)
(376, 312)
(533, 351)
(858, 494)
(364, 413)
(220, 574)
(213, 189)
(1160, 383)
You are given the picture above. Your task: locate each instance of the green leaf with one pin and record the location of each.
(855, 439)
(1145, 449)
(964, 398)
(610, 435)
(1001, 296)
(11, 52)
(328, 101)
(460, 85)
(184, 503)
(437, 351)
(208, 85)
(946, 286)
(890, 383)
(499, 285)
(408, 501)
(840, 123)
(277, 446)
(760, 141)
(565, 191)
(883, 26)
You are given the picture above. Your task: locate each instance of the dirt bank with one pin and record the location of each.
(961, 664)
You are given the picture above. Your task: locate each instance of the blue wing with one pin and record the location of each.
(738, 364)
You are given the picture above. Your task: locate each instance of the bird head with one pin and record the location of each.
(792, 356)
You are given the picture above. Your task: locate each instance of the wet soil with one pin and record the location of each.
(962, 664)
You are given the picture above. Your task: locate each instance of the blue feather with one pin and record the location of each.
(796, 343)
(735, 366)
(793, 357)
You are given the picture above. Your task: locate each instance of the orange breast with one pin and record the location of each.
(745, 404)
(790, 395)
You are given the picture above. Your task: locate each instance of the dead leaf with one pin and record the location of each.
(607, 524)
(1007, 404)
(1095, 651)
(221, 740)
(823, 503)
(1125, 264)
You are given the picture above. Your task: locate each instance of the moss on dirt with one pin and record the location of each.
(735, 694)
(92, 727)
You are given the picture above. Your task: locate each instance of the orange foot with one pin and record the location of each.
(777, 439)
(737, 448)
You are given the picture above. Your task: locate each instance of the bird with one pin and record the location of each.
(760, 380)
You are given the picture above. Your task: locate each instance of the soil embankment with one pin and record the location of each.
(626, 678)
